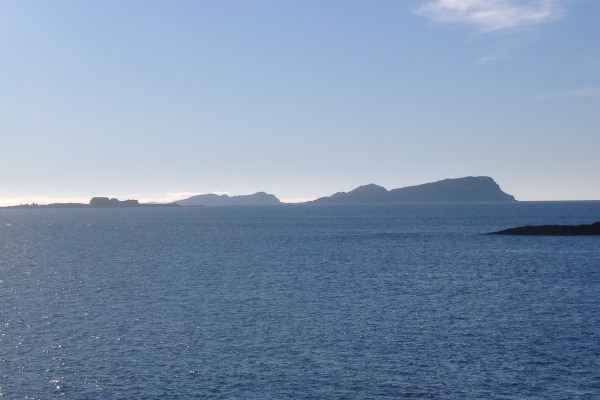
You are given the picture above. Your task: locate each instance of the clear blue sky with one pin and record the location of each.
(160, 100)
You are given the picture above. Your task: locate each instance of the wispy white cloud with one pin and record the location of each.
(587, 92)
(506, 47)
(492, 15)
(491, 58)
(592, 91)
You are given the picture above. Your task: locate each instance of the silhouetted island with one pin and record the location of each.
(106, 202)
(552, 230)
(95, 202)
(256, 199)
(468, 189)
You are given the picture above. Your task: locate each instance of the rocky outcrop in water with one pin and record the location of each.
(553, 230)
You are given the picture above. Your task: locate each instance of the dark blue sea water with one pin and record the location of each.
(299, 302)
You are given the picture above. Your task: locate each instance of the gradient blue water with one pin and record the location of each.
(299, 302)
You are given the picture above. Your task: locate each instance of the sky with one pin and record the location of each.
(161, 100)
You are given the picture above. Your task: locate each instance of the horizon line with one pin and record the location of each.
(35, 201)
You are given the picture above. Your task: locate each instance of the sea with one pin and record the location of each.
(386, 301)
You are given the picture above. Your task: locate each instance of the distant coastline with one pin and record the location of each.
(467, 189)
(95, 202)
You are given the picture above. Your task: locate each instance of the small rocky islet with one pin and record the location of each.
(552, 230)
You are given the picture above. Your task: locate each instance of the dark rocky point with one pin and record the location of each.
(553, 230)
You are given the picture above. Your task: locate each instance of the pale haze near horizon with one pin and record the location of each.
(159, 100)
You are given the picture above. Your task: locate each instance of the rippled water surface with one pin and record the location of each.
(299, 302)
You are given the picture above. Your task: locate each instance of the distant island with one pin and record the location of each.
(468, 189)
(256, 199)
(95, 202)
